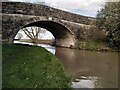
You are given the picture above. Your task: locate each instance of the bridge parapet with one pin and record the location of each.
(42, 10)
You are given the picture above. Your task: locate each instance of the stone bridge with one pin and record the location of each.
(63, 25)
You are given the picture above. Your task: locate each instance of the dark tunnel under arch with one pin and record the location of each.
(58, 30)
(63, 35)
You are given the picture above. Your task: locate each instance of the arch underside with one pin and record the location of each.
(63, 36)
(59, 31)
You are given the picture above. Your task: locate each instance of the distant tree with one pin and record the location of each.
(19, 36)
(32, 33)
(108, 18)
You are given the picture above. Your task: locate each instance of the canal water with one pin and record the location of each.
(88, 69)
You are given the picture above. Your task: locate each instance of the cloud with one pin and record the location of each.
(82, 4)
(86, 6)
(113, 0)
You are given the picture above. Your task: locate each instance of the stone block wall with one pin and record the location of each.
(42, 10)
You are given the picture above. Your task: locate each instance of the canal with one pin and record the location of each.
(88, 69)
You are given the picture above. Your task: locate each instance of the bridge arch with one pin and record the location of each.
(15, 17)
(58, 30)
(63, 35)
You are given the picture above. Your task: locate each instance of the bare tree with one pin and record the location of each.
(32, 33)
(19, 36)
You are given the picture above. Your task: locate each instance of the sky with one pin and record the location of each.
(82, 7)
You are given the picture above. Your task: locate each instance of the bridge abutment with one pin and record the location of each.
(67, 42)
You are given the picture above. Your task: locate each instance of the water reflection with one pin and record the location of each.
(83, 84)
(48, 47)
(88, 69)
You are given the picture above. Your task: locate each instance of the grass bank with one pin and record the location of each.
(92, 45)
(31, 67)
